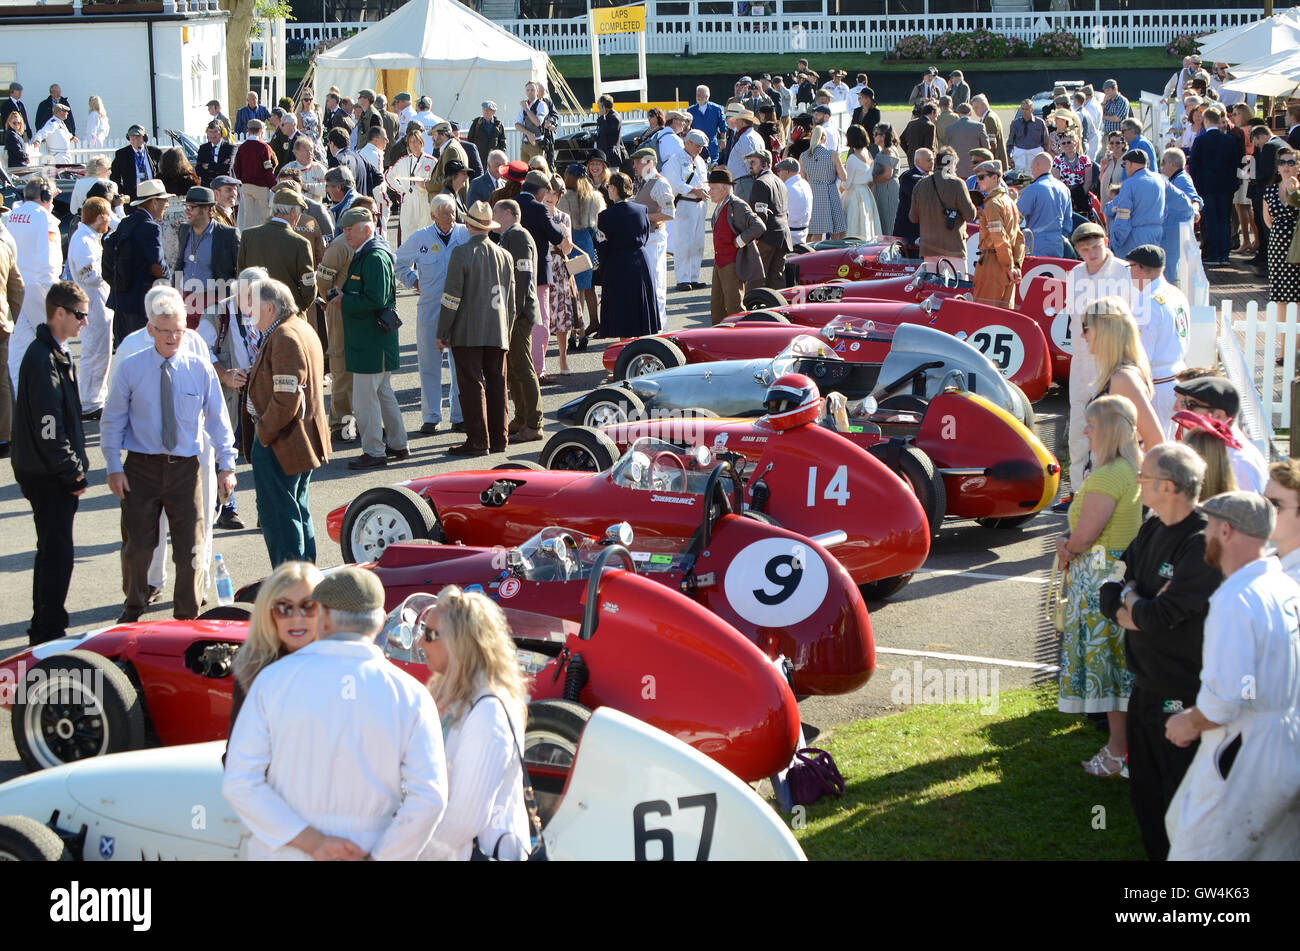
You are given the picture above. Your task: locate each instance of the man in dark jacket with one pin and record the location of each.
(920, 132)
(736, 261)
(286, 255)
(1213, 165)
(1266, 147)
(486, 132)
(922, 165)
(45, 110)
(49, 454)
(767, 196)
(521, 375)
(214, 155)
(1162, 603)
(134, 163)
(140, 259)
(537, 221)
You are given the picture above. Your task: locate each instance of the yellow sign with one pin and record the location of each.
(611, 20)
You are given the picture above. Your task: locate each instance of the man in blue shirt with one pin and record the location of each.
(708, 118)
(1045, 208)
(250, 111)
(339, 189)
(159, 403)
(1182, 205)
(1136, 214)
(1131, 129)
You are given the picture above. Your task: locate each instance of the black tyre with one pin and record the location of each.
(26, 840)
(904, 403)
(76, 705)
(521, 464)
(648, 355)
(764, 317)
(884, 588)
(550, 748)
(611, 405)
(1013, 521)
(379, 517)
(918, 471)
(225, 612)
(761, 297)
(580, 449)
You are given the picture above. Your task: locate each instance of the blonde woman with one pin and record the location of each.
(284, 618)
(96, 124)
(1211, 439)
(482, 699)
(1122, 369)
(407, 176)
(1104, 517)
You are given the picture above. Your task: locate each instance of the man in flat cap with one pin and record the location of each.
(370, 117)
(687, 174)
(1001, 243)
(736, 260)
(1136, 214)
(486, 132)
(1162, 316)
(478, 307)
(656, 194)
(337, 753)
(1217, 398)
(446, 147)
(1238, 799)
(286, 255)
(767, 196)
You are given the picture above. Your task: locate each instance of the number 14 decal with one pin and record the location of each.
(837, 490)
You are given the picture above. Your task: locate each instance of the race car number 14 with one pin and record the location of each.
(776, 582)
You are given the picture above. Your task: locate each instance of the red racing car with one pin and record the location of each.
(115, 689)
(883, 257)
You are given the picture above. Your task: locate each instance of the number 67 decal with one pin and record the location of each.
(837, 489)
(658, 807)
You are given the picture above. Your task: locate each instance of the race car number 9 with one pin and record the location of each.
(1001, 345)
(776, 582)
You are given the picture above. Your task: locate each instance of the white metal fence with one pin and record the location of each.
(1250, 342)
(770, 29)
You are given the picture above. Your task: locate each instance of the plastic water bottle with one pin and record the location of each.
(225, 587)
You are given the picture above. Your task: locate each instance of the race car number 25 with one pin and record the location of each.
(1001, 345)
(776, 582)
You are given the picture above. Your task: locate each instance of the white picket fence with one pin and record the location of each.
(1249, 344)
(770, 28)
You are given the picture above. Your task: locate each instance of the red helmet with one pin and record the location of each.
(792, 401)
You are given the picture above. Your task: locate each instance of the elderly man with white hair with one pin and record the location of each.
(58, 138)
(337, 754)
(96, 171)
(165, 409)
(687, 173)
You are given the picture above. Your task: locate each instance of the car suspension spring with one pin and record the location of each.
(575, 678)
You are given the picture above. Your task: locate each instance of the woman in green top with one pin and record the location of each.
(1104, 517)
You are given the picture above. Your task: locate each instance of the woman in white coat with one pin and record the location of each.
(482, 700)
(860, 215)
(96, 124)
(407, 176)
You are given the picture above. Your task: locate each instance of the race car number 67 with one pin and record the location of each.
(776, 582)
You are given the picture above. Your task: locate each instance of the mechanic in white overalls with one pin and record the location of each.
(85, 254)
(1161, 312)
(35, 231)
(687, 173)
(657, 197)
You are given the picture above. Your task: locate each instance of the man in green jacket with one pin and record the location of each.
(370, 353)
(478, 306)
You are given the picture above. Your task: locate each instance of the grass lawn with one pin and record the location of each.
(948, 782)
(710, 64)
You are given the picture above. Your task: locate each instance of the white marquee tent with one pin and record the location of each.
(437, 48)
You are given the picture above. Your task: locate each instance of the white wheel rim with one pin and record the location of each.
(568, 448)
(643, 364)
(376, 528)
(606, 414)
(43, 732)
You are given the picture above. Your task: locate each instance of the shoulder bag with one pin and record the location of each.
(387, 320)
(538, 851)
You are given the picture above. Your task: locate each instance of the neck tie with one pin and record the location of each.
(139, 163)
(167, 406)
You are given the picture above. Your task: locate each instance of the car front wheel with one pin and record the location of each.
(23, 839)
(383, 516)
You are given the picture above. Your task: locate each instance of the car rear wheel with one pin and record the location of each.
(916, 469)
(884, 588)
(383, 516)
(761, 297)
(648, 355)
(521, 464)
(764, 317)
(550, 748)
(23, 839)
(76, 705)
(610, 406)
(579, 449)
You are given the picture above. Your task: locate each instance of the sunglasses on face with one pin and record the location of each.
(983, 175)
(1195, 407)
(82, 315)
(1287, 161)
(287, 609)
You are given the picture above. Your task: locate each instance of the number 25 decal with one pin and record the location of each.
(837, 490)
(1001, 345)
(659, 807)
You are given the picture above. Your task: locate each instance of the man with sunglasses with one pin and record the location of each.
(49, 453)
(1161, 602)
(1001, 242)
(1217, 398)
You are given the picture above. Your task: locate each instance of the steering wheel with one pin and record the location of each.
(950, 278)
(665, 485)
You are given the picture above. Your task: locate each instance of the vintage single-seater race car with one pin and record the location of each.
(881, 257)
(920, 362)
(633, 793)
(119, 688)
(859, 331)
(783, 591)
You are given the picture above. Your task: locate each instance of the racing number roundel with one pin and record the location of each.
(1061, 331)
(509, 588)
(1001, 345)
(776, 582)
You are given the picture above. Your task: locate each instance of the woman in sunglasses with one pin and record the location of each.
(1280, 218)
(1115, 343)
(482, 699)
(284, 618)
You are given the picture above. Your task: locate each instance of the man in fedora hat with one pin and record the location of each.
(134, 163)
(736, 260)
(316, 771)
(478, 306)
(285, 254)
(139, 260)
(207, 256)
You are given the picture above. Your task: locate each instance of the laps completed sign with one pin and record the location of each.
(619, 20)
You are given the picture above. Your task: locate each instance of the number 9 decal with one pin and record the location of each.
(776, 582)
(1001, 345)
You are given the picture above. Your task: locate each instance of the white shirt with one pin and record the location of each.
(941, 85)
(407, 115)
(240, 358)
(85, 252)
(313, 177)
(670, 144)
(537, 111)
(79, 190)
(799, 197)
(1250, 684)
(373, 155)
(139, 340)
(1248, 464)
(748, 141)
(55, 133)
(1161, 313)
(40, 250)
(838, 90)
(681, 167)
(336, 737)
(1291, 564)
(485, 786)
(1081, 289)
(832, 137)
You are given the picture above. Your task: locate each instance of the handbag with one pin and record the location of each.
(813, 776)
(579, 262)
(1054, 602)
(387, 320)
(538, 852)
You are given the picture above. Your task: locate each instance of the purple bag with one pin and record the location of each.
(813, 777)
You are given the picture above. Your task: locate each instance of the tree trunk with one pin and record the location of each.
(239, 43)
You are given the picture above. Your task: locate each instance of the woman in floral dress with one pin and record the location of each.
(563, 299)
